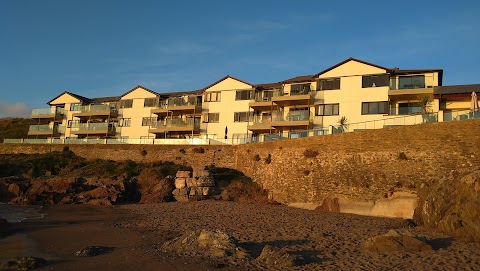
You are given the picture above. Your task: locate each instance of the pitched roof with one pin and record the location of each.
(269, 85)
(181, 93)
(413, 71)
(138, 86)
(456, 89)
(226, 77)
(105, 99)
(299, 79)
(81, 98)
(347, 60)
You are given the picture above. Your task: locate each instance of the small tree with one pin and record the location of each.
(425, 102)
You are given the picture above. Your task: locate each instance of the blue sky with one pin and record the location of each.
(105, 48)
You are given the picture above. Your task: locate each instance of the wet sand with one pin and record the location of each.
(328, 241)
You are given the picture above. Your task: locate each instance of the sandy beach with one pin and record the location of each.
(327, 241)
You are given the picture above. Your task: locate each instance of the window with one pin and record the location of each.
(150, 102)
(408, 82)
(244, 95)
(124, 122)
(76, 107)
(211, 117)
(147, 121)
(72, 123)
(299, 89)
(242, 117)
(327, 109)
(379, 80)
(126, 103)
(328, 84)
(374, 108)
(212, 96)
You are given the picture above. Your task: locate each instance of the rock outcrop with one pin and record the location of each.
(452, 205)
(396, 240)
(206, 243)
(160, 192)
(25, 263)
(278, 257)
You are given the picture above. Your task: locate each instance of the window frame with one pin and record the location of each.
(147, 102)
(147, 121)
(333, 105)
(386, 108)
(334, 86)
(249, 96)
(207, 118)
(209, 95)
(365, 82)
(127, 103)
(125, 122)
(244, 116)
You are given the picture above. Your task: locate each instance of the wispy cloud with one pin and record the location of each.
(182, 48)
(14, 110)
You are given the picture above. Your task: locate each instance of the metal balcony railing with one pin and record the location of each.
(84, 127)
(175, 123)
(44, 128)
(95, 108)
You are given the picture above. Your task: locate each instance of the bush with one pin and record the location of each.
(268, 160)
(257, 157)
(310, 153)
(183, 151)
(402, 156)
(198, 150)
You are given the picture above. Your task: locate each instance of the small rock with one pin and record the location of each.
(25, 263)
(396, 240)
(92, 251)
(180, 183)
(183, 174)
(206, 181)
(278, 257)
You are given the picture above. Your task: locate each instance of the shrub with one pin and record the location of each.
(183, 151)
(257, 157)
(310, 153)
(198, 150)
(268, 160)
(402, 156)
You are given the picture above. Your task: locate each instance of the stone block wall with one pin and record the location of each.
(365, 165)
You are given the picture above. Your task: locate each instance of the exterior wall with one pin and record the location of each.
(226, 107)
(67, 100)
(351, 94)
(136, 114)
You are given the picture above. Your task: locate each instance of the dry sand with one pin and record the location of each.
(328, 241)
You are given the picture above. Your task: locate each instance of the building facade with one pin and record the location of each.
(352, 94)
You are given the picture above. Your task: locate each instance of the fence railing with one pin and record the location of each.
(352, 127)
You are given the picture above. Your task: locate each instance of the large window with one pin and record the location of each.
(212, 96)
(327, 109)
(211, 117)
(126, 103)
(409, 82)
(328, 84)
(242, 117)
(244, 95)
(146, 121)
(299, 89)
(374, 108)
(379, 80)
(76, 107)
(150, 102)
(124, 122)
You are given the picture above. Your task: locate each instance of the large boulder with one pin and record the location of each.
(451, 205)
(206, 243)
(161, 192)
(395, 241)
(329, 204)
(12, 187)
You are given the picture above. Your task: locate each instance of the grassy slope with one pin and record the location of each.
(13, 128)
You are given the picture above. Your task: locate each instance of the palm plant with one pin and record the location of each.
(425, 102)
(343, 124)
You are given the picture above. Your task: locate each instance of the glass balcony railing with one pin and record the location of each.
(406, 110)
(266, 96)
(95, 108)
(175, 123)
(47, 111)
(292, 116)
(263, 120)
(45, 128)
(85, 127)
(178, 102)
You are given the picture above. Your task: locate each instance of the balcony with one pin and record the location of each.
(177, 125)
(295, 97)
(178, 107)
(263, 101)
(48, 113)
(261, 125)
(45, 130)
(93, 129)
(294, 119)
(103, 110)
